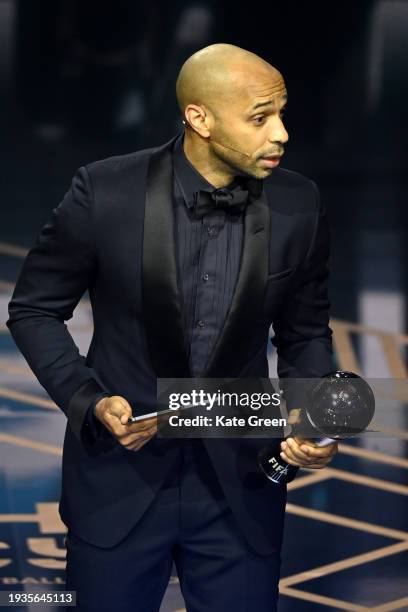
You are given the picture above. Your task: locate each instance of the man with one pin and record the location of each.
(189, 252)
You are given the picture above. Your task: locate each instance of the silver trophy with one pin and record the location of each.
(337, 406)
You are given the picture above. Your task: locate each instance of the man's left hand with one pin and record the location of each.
(304, 453)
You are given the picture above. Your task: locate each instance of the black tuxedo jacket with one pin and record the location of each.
(113, 234)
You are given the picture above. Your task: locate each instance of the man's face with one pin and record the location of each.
(247, 127)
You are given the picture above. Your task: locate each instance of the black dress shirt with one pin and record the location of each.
(208, 254)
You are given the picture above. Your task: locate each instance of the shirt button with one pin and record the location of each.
(211, 231)
(201, 323)
(205, 277)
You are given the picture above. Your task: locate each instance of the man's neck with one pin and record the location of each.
(198, 155)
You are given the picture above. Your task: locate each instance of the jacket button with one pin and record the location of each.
(201, 323)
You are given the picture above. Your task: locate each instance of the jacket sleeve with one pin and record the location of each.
(303, 338)
(54, 276)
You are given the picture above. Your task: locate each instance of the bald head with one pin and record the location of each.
(232, 102)
(217, 75)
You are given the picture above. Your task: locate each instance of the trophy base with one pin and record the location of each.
(274, 467)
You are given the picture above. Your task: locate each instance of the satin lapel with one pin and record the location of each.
(161, 297)
(231, 349)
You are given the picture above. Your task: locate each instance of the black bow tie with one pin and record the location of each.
(233, 199)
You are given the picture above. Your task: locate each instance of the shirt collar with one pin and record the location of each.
(188, 178)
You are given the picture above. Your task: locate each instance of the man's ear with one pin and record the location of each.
(196, 118)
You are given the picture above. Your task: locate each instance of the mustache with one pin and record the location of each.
(276, 153)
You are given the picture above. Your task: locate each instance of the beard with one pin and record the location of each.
(234, 158)
(237, 162)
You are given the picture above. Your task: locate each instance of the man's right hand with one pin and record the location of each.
(113, 412)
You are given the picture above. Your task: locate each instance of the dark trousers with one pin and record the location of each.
(189, 522)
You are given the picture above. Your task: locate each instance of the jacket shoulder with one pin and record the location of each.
(291, 191)
(119, 163)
